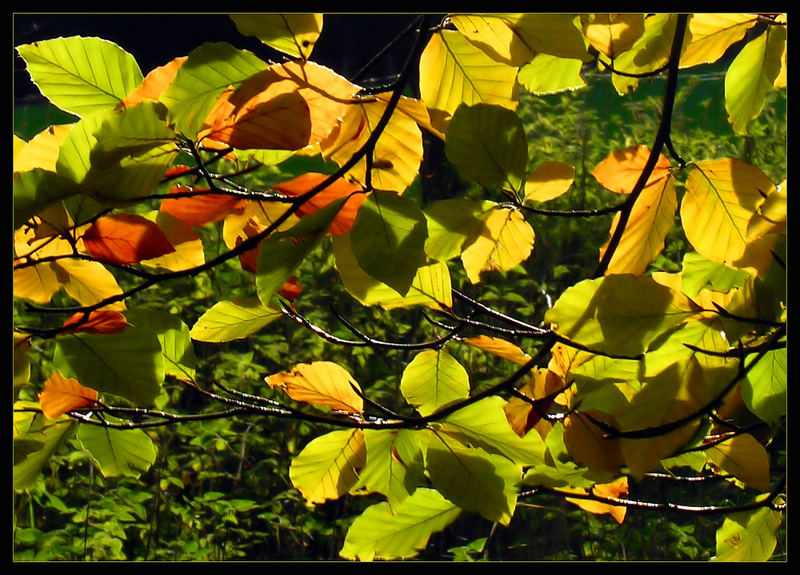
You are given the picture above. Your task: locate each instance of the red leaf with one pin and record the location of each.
(100, 321)
(175, 171)
(126, 239)
(338, 189)
(291, 289)
(201, 209)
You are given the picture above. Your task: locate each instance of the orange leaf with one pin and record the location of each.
(154, 83)
(200, 209)
(615, 490)
(291, 289)
(286, 107)
(99, 321)
(620, 171)
(126, 239)
(61, 395)
(338, 189)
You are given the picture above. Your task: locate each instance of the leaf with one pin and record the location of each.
(433, 379)
(698, 273)
(764, 389)
(743, 457)
(473, 479)
(36, 190)
(554, 34)
(292, 34)
(44, 435)
(548, 74)
(327, 467)
(430, 287)
(708, 36)
(612, 34)
(586, 443)
(751, 75)
(748, 535)
(154, 84)
(548, 181)
(200, 209)
(453, 224)
(388, 239)
(396, 155)
(394, 465)
(65, 71)
(177, 350)
(321, 383)
(505, 242)
(651, 219)
(118, 452)
(207, 72)
(61, 395)
(453, 71)
(88, 283)
(286, 107)
(127, 364)
(500, 348)
(495, 36)
(616, 490)
(188, 245)
(648, 53)
(126, 239)
(340, 189)
(383, 533)
(487, 144)
(720, 208)
(617, 314)
(98, 321)
(232, 319)
(621, 169)
(42, 150)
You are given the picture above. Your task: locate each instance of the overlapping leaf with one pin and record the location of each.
(126, 239)
(292, 34)
(433, 379)
(322, 383)
(62, 395)
(339, 189)
(710, 35)
(327, 467)
(505, 242)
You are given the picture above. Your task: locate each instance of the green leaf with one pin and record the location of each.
(36, 438)
(173, 335)
(282, 252)
(118, 452)
(454, 224)
(394, 464)
(232, 319)
(328, 466)
(36, 189)
(487, 144)
(81, 75)
(473, 479)
(649, 52)
(388, 239)
(547, 74)
(128, 363)
(618, 314)
(381, 533)
(701, 273)
(206, 73)
(751, 76)
(433, 379)
(484, 424)
(748, 535)
(764, 387)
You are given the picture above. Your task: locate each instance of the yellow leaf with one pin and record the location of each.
(89, 282)
(42, 150)
(506, 241)
(710, 35)
(615, 490)
(612, 34)
(398, 151)
(621, 169)
(743, 457)
(292, 34)
(328, 466)
(651, 219)
(453, 71)
(61, 395)
(500, 348)
(721, 213)
(587, 444)
(548, 181)
(320, 383)
(188, 245)
(493, 34)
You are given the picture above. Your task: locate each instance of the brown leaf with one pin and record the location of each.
(99, 321)
(126, 239)
(340, 188)
(200, 209)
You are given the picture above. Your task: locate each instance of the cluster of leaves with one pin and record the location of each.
(633, 370)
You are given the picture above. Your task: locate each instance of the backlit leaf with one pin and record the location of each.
(292, 34)
(499, 347)
(764, 389)
(338, 189)
(487, 144)
(648, 53)
(48, 436)
(751, 75)
(616, 490)
(201, 209)
(743, 457)
(118, 452)
(394, 465)
(548, 74)
(154, 83)
(548, 181)
(233, 319)
(126, 239)
(720, 208)
(555, 34)
(748, 535)
(493, 34)
(65, 71)
(61, 395)
(612, 34)
(327, 467)
(322, 383)
(88, 283)
(42, 150)
(453, 224)
(188, 246)
(453, 71)
(433, 379)
(505, 242)
(382, 532)
(621, 169)
(709, 36)
(99, 321)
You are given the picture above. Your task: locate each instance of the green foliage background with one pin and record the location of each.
(220, 489)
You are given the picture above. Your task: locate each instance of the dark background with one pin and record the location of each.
(348, 41)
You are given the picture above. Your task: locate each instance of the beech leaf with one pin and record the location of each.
(126, 239)
(321, 383)
(61, 395)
